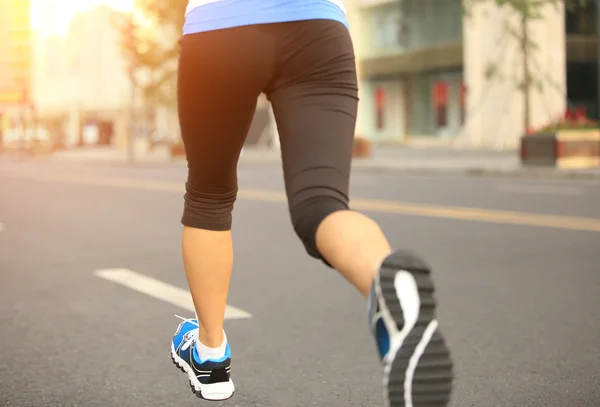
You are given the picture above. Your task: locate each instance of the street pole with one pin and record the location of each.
(1, 133)
(132, 117)
(131, 43)
(526, 73)
(597, 3)
(23, 133)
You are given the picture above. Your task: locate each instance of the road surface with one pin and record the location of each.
(91, 278)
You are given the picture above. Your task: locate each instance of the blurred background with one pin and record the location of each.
(440, 74)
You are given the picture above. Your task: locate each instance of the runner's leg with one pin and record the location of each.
(221, 75)
(315, 101)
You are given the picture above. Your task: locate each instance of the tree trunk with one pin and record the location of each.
(132, 118)
(526, 72)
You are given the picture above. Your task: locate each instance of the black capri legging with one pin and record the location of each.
(307, 70)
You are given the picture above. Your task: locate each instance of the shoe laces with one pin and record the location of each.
(191, 336)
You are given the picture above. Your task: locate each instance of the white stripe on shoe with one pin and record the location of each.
(407, 293)
(414, 361)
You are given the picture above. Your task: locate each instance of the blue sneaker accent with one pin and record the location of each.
(383, 338)
(209, 379)
(377, 325)
(183, 331)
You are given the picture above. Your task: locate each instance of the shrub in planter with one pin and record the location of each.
(572, 142)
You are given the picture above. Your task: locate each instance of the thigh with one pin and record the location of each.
(220, 76)
(315, 98)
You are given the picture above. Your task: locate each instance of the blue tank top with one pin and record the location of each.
(208, 15)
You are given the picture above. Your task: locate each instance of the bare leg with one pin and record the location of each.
(354, 245)
(208, 260)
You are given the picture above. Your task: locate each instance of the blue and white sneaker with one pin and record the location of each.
(209, 379)
(418, 370)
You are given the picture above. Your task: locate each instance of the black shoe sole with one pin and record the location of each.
(424, 357)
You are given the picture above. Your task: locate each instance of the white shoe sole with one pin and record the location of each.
(213, 392)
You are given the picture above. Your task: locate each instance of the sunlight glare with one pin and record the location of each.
(54, 16)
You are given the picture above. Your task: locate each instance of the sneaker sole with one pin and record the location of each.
(418, 367)
(211, 392)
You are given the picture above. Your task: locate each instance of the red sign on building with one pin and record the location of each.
(440, 103)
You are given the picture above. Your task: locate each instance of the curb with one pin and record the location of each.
(520, 172)
(484, 172)
(366, 167)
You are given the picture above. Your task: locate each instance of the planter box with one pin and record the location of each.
(361, 148)
(568, 149)
(177, 150)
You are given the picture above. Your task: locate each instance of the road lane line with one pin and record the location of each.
(395, 207)
(160, 290)
(2, 228)
(540, 189)
(482, 215)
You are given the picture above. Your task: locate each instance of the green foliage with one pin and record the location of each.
(150, 44)
(165, 12)
(530, 9)
(491, 71)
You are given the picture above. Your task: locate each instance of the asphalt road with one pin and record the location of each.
(519, 294)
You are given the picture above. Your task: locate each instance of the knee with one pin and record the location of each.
(307, 215)
(208, 210)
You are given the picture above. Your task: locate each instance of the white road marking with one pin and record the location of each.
(160, 290)
(540, 189)
(2, 228)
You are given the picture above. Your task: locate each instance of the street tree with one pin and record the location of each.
(526, 12)
(150, 43)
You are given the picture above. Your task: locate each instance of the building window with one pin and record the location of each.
(581, 19)
(380, 108)
(440, 103)
(388, 27)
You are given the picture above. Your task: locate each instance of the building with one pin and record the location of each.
(15, 51)
(81, 89)
(424, 70)
(15, 69)
(84, 95)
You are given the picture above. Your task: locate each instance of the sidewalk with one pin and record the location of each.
(439, 160)
(384, 159)
(110, 155)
